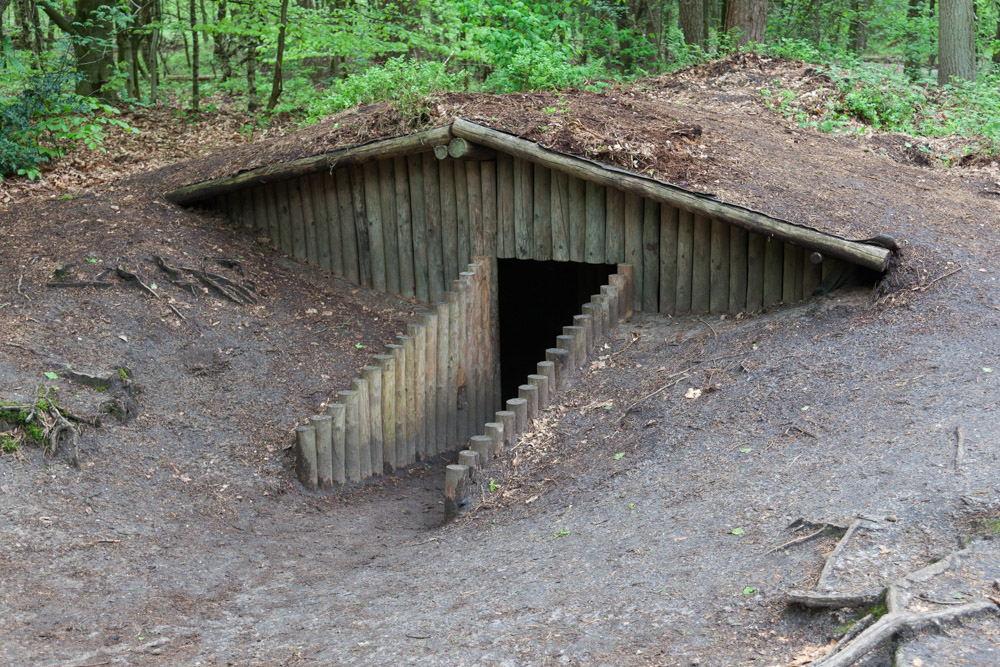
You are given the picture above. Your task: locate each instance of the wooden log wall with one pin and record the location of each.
(435, 385)
(406, 225)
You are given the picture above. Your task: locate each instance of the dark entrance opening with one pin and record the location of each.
(538, 299)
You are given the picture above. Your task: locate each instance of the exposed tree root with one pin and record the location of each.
(238, 293)
(54, 425)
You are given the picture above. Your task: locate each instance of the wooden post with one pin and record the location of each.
(336, 412)
(435, 248)
(352, 454)
(387, 363)
(404, 226)
(701, 268)
(324, 449)
(650, 257)
(467, 388)
(523, 193)
(542, 215)
(604, 301)
(505, 247)
(462, 211)
(561, 359)
(473, 326)
(586, 322)
(738, 246)
(476, 213)
(773, 267)
(619, 282)
(449, 223)
(541, 385)
(321, 227)
(441, 394)
(559, 206)
(373, 375)
(577, 220)
(611, 292)
(470, 459)
(390, 233)
(398, 353)
(614, 240)
(456, 482)
(568, 342)
(633, 244)
(755, 272)
(348, 232)
(548, 369)
(329, 189)
(685, 260)
(519, 407)
(580, 350)
(529, 393)
(483, 446)
(668, 259)
(418, 332)
(361, 225)
(418, 225)
(494, 430)
(295, 206)
(305, 460)
(360, 385)
(413, 425)
(593, 312)
(430, 322)
(719, 278)
(451, 395)
(488, 175)
(625, 293)
(509, 421)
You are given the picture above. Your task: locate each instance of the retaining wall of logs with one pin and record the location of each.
(432, 388)
(406, 225)
(581, 339)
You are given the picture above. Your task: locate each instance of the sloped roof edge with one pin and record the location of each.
(863, 253)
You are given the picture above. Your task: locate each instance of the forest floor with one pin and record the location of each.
(635, 525)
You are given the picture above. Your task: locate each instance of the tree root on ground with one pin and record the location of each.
(54, 423)
(868, 633)
(239, 293)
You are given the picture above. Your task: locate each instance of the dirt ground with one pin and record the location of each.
(636, 526)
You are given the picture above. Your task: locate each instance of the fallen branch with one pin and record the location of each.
(799, 540)
(832, 600)
(959, 448)
(683, 375)
(924, 287)
(79, 283)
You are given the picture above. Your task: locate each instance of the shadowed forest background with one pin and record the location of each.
(69, 69)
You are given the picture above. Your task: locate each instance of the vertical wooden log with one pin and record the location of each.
(454, 298)
(332, 222)
(348, 233)
(542, 214)
(418, 218)
(413, 424)
(418, 332)
(456, 483)
(483, 446)
(390, 232)
(519, 407)
(321, 229)
(451, 261)
(755, 271)
(309, 220)
(634, 223)
(361, 225)
(577, 220)
(541, 385)
(470, 459)
(594, 232)
(474, 219)
(488, 174)
(398, 353)
(462, 421)
(811, 273)
(668, 259)
(259, 211)
(506, 245)
(593, 312)
(373, 376)
(560, 212)
(529, 393)
(586, 322)
(563, 361)
(299, 249)
(738, 245)
(611, 292)
(579, 344)
(338, 435)
(305, 460)
(548, 369)
(625, 291)
(387, 364)
(788, 273)
(773, 266)
(273, 223)
(441, 394)
(360, 385)
(404, 226)
(801, 258)
(494, 430)
(462, 212)
(509, 421)
(614, 239)
(352, 435)
(523, 193)
(322, 424)
(685, 261)
(719, 267)
(473, 373)
(430, 322)
(234, 209)
(284, 217)
(434, 228)
(650, 256)
(486, 341)
(605, 313)
(701, 271)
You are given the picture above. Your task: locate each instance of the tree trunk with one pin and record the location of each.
(154, 48)
(276, 82)
(195, 93)
(749, 18)
(93, 46)
(253, 102)
(911, 50)
(956, 41)
(996, 44)
(692, 21)
(858, 29)
(223, 43)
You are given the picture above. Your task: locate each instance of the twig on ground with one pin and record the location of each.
(635, 336)
(799, 540)
(20, 279)
(683, 374)
(714, 334)
(924, 287)
(959, 448)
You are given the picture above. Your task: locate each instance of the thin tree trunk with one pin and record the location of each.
(692, 21)
(276, 82)
(858, 29)
(154, 49)
(253, 101)
(911, 61)
(996, 44)
(195, 93)
(956, 41)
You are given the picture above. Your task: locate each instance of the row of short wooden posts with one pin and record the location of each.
(433, 387)
(578, 342)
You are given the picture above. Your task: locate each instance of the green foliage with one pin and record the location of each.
(9, 443)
